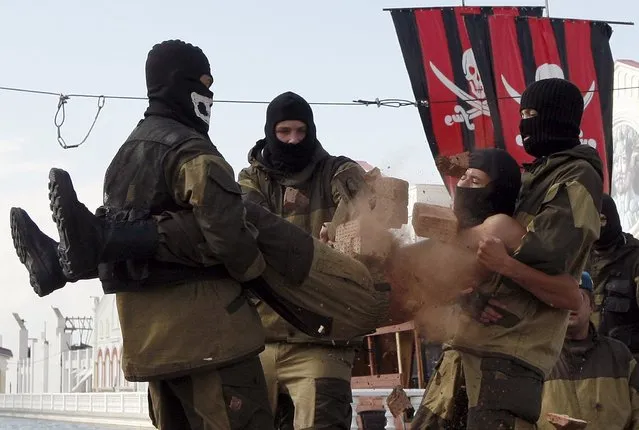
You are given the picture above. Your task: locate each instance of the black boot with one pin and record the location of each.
(39, 254)
(86, 240)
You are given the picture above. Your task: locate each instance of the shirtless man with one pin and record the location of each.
(483, 205)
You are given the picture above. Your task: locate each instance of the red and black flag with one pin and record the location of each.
(513, 52)
(446, 82)
(468, 66)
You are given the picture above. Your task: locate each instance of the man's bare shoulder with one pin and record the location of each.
(499, 221)
(505, 228)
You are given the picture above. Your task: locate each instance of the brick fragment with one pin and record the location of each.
(294, 199)
(565, 422)
(454, 165)
(399, 403)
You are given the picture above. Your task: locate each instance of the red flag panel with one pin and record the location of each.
(545, 47)
(484, 132)
(510, 81)
(432, 36)
(583, 74)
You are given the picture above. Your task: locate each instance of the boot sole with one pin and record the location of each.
(19, 221)
(62, 200)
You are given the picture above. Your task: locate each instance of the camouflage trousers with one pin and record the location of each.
(479, 393)
(229, 398)
(318, 380)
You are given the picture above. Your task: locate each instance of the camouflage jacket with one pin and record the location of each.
(185, 322)
(595, 380)
(615, 275)
(307, 199)
(559, 206)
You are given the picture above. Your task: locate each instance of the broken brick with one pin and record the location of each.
(359, 238)
(390, 213)
(399, 403)
(434, 222)
(391, 188)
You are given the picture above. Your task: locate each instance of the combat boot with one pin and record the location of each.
(39, 254)
(87, 240)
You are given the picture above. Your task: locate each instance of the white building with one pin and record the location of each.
(63, 365)
(5, 356)
(107, 371)
(625, 165)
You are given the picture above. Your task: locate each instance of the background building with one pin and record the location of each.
(5, 356)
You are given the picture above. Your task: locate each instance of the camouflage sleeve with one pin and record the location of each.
(348, 181)
(251, 188)
(634, 395)
(559, 237)
(204, 181)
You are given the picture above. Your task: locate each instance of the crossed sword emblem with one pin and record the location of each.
(477, 107)
(517, 97)
(480, 107)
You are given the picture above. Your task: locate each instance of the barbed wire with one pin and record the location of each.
(60, 115)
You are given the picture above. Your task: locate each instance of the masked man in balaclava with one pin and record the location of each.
(188, 331)
(504, 362)
(614, 268)
(292, 175)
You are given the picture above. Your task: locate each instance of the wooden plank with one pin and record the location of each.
(407, 326)
(419, 362)
(389, 380)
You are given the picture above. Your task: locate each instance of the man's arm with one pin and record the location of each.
(200, 178)
(559, 291)
(501, 234)
(351, 194)
(251, 187)
(348, 181)
(559, 238)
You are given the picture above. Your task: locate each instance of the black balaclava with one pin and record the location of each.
(611, 232)
(282, 156)
(173, 71)
(560, 106)
(473, 205)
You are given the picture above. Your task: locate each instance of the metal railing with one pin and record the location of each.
(134, 405)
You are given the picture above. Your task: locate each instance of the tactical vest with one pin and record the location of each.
(617, 300)
(135, 188)
(305, 199)
(190, 320)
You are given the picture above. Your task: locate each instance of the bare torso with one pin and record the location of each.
(433, 273)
